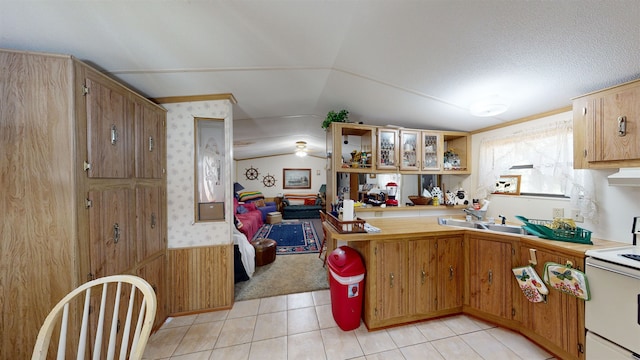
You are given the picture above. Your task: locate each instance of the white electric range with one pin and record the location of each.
(612, 316)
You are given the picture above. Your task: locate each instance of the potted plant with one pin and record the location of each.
(332, 116)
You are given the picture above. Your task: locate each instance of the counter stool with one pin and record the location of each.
(265, 251)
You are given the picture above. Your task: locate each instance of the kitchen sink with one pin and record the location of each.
(481, 225)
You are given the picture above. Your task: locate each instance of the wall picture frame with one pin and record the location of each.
(296, 178)
(507, 185)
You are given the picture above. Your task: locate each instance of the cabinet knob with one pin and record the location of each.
(424, 276)
(450, 272)
(391, 277)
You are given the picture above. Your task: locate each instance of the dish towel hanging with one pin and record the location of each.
(566, 279)
(530, 283)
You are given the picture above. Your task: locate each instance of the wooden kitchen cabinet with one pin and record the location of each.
(450, 250)
(423, 276)
(150, 140)
(155, 272)
(109, 128)
(558, 322)
(387, 152)
(111, 233)
(410, 145)
(421, 151)
(391, 279)
(412, 279)
(490, 282)
(598, 121)
(71, 197)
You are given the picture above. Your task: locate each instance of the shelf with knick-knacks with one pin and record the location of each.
(352, 147)
(358, 148)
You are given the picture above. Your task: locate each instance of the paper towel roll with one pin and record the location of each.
(347, 210)
(347, 213)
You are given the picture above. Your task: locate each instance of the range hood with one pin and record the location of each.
(625, 177)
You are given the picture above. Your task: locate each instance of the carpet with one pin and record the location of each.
(286, 275)
(295, 237)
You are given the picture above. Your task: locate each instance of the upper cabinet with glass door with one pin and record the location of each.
(410, 144)
(431, 151)
(387, 149)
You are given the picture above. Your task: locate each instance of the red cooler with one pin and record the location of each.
(346, 283)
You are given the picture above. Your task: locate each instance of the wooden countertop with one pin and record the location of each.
(406, 228)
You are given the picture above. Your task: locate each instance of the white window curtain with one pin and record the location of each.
(549, 148)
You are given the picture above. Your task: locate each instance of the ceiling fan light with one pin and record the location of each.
(486, 109)
(301, 148)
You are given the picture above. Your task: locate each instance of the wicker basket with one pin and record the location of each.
(420, 200)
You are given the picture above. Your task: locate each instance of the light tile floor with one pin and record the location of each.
(301, 326)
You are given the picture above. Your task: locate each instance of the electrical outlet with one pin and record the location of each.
(576, 216)
(558, 213)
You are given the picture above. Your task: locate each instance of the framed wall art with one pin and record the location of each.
(296, 178)
(507, 185)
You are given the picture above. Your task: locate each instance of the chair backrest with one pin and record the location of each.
(102, 299)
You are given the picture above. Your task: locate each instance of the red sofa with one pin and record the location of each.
(249, 216)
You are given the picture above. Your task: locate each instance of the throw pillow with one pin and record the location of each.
(259, 203)
(242, 209)
(309, 201)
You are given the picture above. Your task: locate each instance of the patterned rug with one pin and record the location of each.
(293, 237)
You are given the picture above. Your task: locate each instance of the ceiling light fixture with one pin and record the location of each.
(301, 148)
(488, 107)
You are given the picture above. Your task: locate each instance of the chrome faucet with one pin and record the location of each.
(475, 213)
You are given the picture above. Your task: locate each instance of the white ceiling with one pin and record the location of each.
(416, 64)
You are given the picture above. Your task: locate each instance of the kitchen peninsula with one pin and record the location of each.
(417, 269)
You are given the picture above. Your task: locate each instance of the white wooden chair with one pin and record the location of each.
(97, 311)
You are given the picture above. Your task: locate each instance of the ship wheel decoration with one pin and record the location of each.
(269, 180)
(251, 173)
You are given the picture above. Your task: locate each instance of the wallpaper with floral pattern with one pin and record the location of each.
(183, 231)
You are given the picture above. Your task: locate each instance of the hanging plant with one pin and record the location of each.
(332, 116)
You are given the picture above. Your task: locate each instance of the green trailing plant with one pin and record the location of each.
(332, 116)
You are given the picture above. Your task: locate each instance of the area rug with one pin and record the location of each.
(298, 237)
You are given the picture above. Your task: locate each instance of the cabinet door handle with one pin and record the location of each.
(391, 277)
(150, 143)
(116, 233)
(450, 272)
(424, 276)
(153, 220)
(490, 276)
(622, 125)
(114, 134)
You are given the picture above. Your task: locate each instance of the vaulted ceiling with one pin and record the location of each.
(418, 64)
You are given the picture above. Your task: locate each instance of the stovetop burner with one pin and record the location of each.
(631, 256)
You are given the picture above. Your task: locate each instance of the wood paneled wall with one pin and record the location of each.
(201, 278)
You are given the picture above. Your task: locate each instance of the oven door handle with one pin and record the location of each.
(638, 309)
(613, 270)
